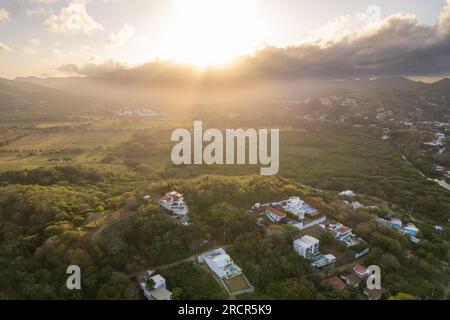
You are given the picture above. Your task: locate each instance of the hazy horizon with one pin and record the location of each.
(253, 38)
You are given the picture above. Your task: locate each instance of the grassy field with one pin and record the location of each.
(61, 140)
(58, 148)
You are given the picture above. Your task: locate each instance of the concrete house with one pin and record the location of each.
(158, 291)
(174, 202)
(306, 246)
(220, 263)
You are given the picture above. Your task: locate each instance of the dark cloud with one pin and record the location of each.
(397, 46)
(69, 68)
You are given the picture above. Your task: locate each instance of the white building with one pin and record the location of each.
(220, 263)
(339, 231)
(158, 290)
(280, 211)
(306, 246)
(174, 202)
(347, 193)
(356, 205)
(323, 260)
(297, 207)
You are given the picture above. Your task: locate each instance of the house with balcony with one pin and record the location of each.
(345, 234)
(338, 230)
(220, 263)
(323, 260)
(275, 214)
(154, 287)
(174, 202)
(396, 223)
(297, 207)
(293, 211)
(306, 246)
(357, 276)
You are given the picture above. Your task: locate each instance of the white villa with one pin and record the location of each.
(159, 291)
(346, 235)
(396, 223)
(220, 263)
(339, 231)
(277, 212)
(347, 193)
(306, 246)
(174, 202)
(297, 207)
(323, 260)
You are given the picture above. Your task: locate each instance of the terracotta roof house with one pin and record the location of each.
(352, 279)
(374, 294)
(275, 214)
(360, 270)
(335, 282)
(174, 202)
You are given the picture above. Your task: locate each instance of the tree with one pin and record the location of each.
(150, 284)
(177, 293)
(403, 296)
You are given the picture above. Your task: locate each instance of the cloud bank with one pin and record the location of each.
(395, 46)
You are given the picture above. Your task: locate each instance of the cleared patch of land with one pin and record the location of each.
(62, 140)
(237, 284)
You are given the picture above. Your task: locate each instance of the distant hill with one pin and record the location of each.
(125, 91)
(143, 89)
(23, 101)
(379, 83)
(439, 88)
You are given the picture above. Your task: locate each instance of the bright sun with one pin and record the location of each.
(211, 32)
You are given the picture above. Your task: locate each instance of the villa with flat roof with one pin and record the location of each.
(297, 207)
(220, 263)
(293, 211)
(306, 246)
(157, 290)
(174, 202)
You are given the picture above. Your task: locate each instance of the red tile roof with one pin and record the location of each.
(344, 229)
(276, 212)
(374, 294)
(359, 269)
(335, 282)
(353, 278)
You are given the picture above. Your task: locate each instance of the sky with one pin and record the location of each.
(352, 38)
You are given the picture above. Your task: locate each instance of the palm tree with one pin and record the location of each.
(150, 284)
